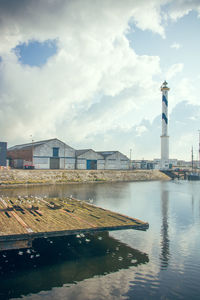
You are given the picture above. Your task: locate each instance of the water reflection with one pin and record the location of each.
(192, 198)
(172, 243)
(65, 260)
(165, 253)
(81, 191)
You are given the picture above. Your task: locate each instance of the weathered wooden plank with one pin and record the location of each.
(23, 219)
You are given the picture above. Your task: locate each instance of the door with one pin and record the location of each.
(54, 163)
(91, 164)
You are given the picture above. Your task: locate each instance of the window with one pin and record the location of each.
(55, 152)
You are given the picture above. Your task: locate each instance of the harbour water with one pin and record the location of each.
(161, 263)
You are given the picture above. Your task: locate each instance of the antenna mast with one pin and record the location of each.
(192, 159)
(199, 148)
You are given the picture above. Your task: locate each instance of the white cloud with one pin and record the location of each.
(140, 130)
(93, 58)
(180, 8)
(148, 16)
(173, 70)
(186, 89)
(176, 46)
(94, 85)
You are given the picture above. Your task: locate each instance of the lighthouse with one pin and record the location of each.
(164, 137)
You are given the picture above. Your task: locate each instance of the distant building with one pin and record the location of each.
(55, 154)
(143, 164)
(187, 164)
(115, 160)
(47, 154)
(173, 162)
(135, 164)
(3, 154)
(88, 159)
(152, 164)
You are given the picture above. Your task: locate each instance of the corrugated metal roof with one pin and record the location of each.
(29, 145)
(106, 153)
(24, 146)
(81, 151)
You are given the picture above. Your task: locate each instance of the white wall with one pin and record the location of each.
(91, 154)
(41, 162)
(101, 164)
(67, 163)
(117, 161)
(81, 161)
(81, 164)
(42, 154)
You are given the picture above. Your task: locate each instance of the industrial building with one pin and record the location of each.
(47, 154)
(115, 160)
(88, 159)
(3, 154)
(55, 154)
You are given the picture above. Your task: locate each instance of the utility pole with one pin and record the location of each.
(32, 147)
(199, 148)
(192, 159)
(64, 156)
(130, 157)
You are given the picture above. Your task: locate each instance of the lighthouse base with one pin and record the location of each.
(164, 163)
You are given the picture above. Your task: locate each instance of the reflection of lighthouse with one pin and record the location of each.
(164, 136)
(165, 254)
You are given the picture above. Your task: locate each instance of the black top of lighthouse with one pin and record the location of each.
(164, 86)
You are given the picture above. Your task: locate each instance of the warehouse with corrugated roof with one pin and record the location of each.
(47, 154)
(115, 160)
(88, 159)
(55, 154)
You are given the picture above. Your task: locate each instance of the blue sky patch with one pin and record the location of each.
(183, 33)
(36, 53)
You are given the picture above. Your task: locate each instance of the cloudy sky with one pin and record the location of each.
(89, 73)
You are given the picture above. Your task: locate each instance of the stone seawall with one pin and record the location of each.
(20, 177)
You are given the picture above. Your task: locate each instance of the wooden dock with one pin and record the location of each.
(24, 219)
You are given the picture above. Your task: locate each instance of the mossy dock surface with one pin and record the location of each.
(23, 219)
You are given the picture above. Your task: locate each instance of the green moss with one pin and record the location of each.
(37, 181)
(100, 179)
(12, 182)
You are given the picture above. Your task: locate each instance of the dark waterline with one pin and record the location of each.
(162, 263)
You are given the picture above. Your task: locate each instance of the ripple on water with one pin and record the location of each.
(162, 263)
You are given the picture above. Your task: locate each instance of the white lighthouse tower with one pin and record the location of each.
(164, 137)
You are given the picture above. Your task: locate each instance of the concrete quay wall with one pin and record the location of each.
(15, 177)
